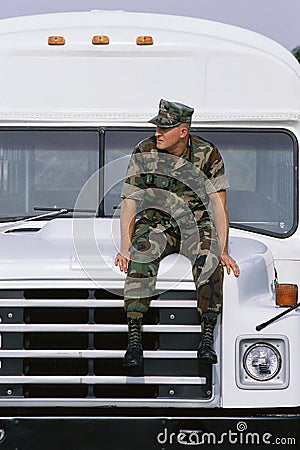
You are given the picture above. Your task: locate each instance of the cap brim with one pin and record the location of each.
(164, 122)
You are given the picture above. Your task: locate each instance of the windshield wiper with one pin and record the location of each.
(16, 219)
(54, 210)
(20, 220)
(265, 324)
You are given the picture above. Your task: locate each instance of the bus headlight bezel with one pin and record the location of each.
(276, 374)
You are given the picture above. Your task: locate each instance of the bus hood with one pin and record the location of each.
(84, 250)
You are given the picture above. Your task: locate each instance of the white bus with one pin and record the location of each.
(76, 92)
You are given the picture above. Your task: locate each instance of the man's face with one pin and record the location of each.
(168, 138)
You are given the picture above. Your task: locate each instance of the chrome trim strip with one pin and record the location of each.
(143, 116)
(148, 354)
(81, 303)
(122, 380)
(94, 328)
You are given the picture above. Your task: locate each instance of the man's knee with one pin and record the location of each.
(133, 305)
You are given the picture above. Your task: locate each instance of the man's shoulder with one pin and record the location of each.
(204, 153)
(201, 143)
(146, 145)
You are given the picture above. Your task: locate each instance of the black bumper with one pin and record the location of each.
(150, 433)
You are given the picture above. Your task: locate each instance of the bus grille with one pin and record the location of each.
(68, 346)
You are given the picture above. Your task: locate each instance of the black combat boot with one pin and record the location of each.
(206, 353)
(134, 354)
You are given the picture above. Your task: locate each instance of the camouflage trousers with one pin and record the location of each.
(152, 242)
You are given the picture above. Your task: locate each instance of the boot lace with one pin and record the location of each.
(208, 334)
(134, 338)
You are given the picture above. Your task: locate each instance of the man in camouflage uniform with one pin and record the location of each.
(171, 178)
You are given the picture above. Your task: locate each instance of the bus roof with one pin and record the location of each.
(221, 70)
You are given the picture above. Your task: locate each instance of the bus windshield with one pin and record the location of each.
(50, 168)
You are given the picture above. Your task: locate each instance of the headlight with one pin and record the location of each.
(262, 361)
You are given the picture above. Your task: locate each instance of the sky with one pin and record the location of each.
(277, 19)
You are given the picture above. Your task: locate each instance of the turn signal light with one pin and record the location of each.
(100, 40)
(56, 40)
(144, 40)
(286, 294)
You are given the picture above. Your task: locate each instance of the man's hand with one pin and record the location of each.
(122, 260)
(230, 264)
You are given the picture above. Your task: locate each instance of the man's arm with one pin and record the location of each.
(127, 221)
(219, 205)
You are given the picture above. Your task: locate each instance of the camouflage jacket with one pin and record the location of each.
(176, 187)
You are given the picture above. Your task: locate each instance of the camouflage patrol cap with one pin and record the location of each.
(172, 114)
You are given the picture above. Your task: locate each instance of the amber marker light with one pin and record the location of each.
(144, 40)
(286, 294)
(100, 40)
(56, 40)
